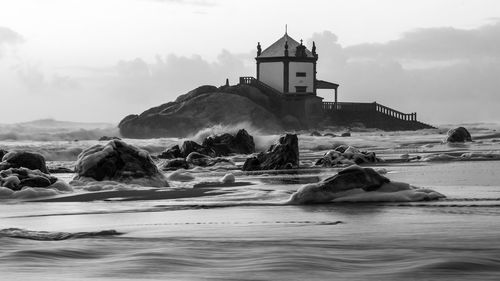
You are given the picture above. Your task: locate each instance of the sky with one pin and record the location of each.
(100, 60)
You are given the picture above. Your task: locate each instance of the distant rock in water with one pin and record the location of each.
(203, 107)
(346, 155)
(214, 146)
(26, 159)
(356, 184)
(118, 161)
(106, 138)
(226, 144)
(282, 155)
(459, 134)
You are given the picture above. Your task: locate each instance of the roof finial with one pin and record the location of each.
(286, 28)
(301, 42)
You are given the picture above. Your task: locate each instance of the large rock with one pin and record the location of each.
(204, 107)
(284, 154)
(26, 159)
(174, 164)
(225, 144)
(356, 184)
(459, 134)
(118, 161)
(171, 153)
(191, 146)
(17, 178)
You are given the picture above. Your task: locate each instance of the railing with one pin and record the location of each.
(248, 80)
(359, 106)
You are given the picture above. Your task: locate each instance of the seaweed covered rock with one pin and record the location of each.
(17, 178)
(118, 161)
(225, 144)
(346, 155)
(357, 184)
(284, 154)
(26, 159)
(459, 134)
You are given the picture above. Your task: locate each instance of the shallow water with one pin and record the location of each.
(248, 233)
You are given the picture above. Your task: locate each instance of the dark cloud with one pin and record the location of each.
(437, 44)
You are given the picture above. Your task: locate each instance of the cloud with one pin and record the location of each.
(443, 43)
(8, 37)
(202, 3)
(444, 74)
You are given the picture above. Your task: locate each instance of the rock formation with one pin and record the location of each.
(459, 134)
(204, 107)
(284, 154)
(26, 159)
(346, 155)
(118, 161)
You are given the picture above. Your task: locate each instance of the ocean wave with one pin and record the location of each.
(54, 235)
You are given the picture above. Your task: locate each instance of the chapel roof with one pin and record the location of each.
(277, 49)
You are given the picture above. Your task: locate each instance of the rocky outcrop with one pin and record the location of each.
(284, 154)
(106, 138)
(118, 161)
(346, 155)
(360, 184)
(17, 178)
(26, 159)
(459, 134)
(226, 144)
(202, 108)
(171, 153)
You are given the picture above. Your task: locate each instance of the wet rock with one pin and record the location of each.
(191, 146)
(346, 155)
(315, 134)
(198, 159)
(118, 161)
(26, 159)
(226, 144)
(330, 135)
(17, 178)
(282, 155)
(2, 153)
(60, 170)
(106, 138)
(459, 134)
(346, 134)
(173, 152)
(357, 184)
(174, 164)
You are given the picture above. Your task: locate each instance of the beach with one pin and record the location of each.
(249, 231)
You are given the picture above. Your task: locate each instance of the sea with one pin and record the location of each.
(249, 231)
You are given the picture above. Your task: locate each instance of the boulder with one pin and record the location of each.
(226, 144)
(284, 154)
(360, 184)
(175, 164)
(459, 134)
(17, 178)
(346, 134)
(202, 160)
(191, 146)
(315, 134)
(26, 159)
(118, 161)
(2, 153)
(173, 152)
(106, 138)
(346, 155)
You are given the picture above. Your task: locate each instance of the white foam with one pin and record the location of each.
(181, 175)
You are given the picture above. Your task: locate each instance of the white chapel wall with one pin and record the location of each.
(271, 73)
(307, 81)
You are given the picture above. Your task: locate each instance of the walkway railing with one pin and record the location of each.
(248, 80)
(360, 106)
